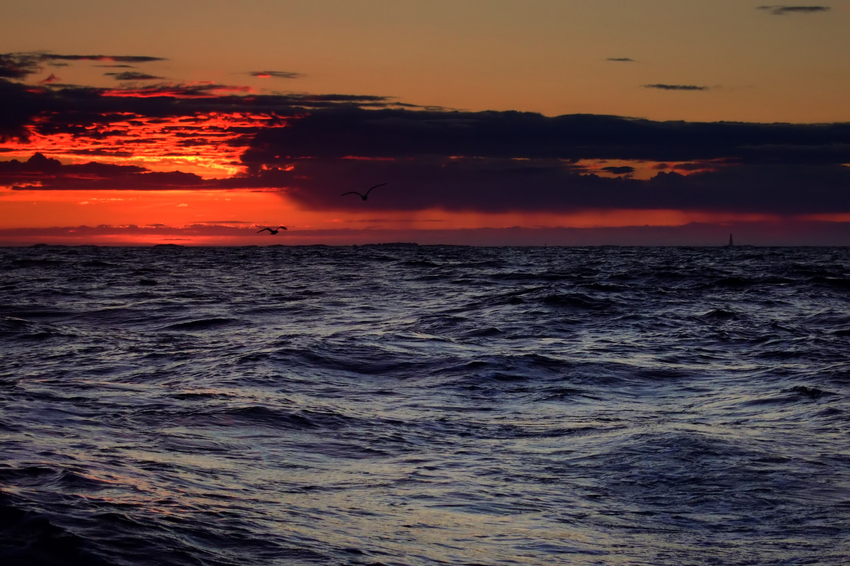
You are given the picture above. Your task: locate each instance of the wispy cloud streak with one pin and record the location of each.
(662, 86)
(132, 76)
(781, 10)
(276, 75)
(20, 65)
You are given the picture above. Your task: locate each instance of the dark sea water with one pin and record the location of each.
(424, 405)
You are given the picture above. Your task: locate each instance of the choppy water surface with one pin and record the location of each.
(424, 405)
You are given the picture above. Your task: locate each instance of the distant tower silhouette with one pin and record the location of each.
(730, 241)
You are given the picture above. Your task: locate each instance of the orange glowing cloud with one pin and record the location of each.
(206, 144)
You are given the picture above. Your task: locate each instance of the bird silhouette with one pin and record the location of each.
(364, 197)
(272, 231)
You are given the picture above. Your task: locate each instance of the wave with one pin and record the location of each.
(201, 324)
(434, 405)
(30, 538)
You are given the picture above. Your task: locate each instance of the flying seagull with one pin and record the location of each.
(272, 231)
(364, 197)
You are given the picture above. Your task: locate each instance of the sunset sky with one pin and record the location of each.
(555, 122)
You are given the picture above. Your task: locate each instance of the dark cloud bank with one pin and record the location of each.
(396, 133)
(499, 161)
(477, 161)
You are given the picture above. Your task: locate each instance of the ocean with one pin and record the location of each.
(404, 405)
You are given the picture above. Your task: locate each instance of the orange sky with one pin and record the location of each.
(711, 60)
(546, 56)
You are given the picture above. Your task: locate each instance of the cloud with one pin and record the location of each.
(132, 76)
(688, 167)
(483, 185)
(177, 90)
(504, 185)
(20, 65)
(342, 131)
(51, 79)
(489, 186)
(511, 161)
(337, 126)
(276, 74)
(662, 86)
(619, 170)
(781, 10)
(621, 59)
(18, 106)
(73, 108)
(209, 124)
(112, 58)
(314, 147)
(40, 172)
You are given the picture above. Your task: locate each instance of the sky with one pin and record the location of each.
(492, 122)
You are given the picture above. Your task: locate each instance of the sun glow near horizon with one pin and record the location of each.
(200, 215)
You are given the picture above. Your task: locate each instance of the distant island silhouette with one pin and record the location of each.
(392, 245)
